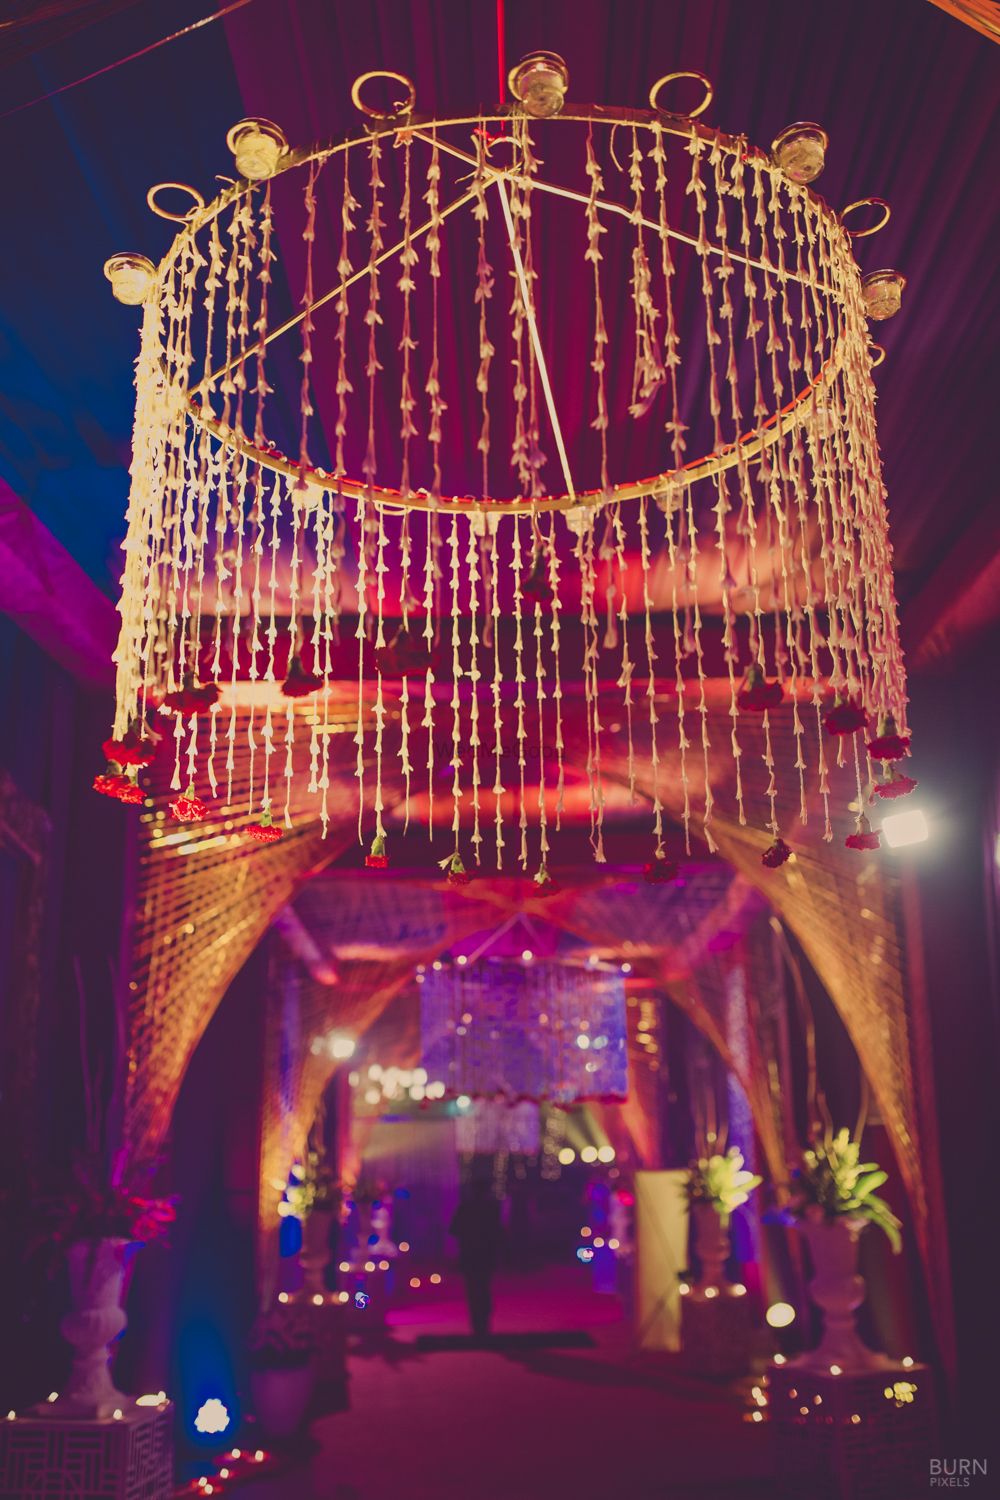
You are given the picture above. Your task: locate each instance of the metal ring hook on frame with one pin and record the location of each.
(398, 111)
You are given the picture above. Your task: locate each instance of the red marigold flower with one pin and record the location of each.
(110, 783)
(132, 795)
(887, 744)
(757, 695)
(775, 855)
(544, 884)
(131, 749)
(660, 871)
(192, 697)
(265, 832)
(897, 785)
(845, 717)
(189, 808)
(299, 683)
(377, 859)
(863, 837)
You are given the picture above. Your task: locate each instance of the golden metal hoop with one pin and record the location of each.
(729, 456)
(861, 234)
(690, 114)
(400, 110)
(180, 187)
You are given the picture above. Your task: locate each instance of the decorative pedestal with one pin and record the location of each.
(330, 1323)
(853, 1437)
(327, 1318)
(67, 1459)
(717, 1331)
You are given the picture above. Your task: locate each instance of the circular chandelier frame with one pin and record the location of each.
(408, 125)
(798, 543)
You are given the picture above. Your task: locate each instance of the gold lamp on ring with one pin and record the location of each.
(257, 146)
(539, 82)
(800, 151)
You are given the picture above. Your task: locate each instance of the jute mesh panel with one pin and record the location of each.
(843, 907)
(295, 1080)
(205, 896)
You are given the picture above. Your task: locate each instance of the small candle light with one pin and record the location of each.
(256, 146)
(882, 293)
(539, 82)
(800, 151)
(131, 277)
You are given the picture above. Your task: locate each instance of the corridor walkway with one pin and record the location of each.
(593, 1423)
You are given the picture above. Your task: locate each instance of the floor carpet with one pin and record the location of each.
(529, 1419)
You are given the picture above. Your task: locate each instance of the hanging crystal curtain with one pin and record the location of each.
(529, 1030)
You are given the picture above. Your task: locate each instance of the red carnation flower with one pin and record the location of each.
(887, 744)
(266, 832)
(299, 683)
(544, 884)
(775, 855)
(897, 785)
(457, 873)
(131, 749)
(408, 655)
(863, 837)
(757, 694)
(110, 783)
(192, 697)
(132, 795)
(189, 808)
(845, 717)
(377, 859)
(660, 871)
(537, 584)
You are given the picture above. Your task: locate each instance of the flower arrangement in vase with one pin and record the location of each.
(716, 1185)
(832, 1183)
(834, 1199)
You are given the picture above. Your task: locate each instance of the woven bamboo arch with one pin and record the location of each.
(207, 895)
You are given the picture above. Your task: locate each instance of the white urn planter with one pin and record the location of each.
(95, 1321)
(314, 1257)
(281, 1397)
(381, 1222)
(838, 1290)
(711, 1242)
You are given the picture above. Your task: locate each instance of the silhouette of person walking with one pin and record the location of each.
(477, 1227)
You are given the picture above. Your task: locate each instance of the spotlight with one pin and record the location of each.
(588, 1154)
(213, 1416)
(567, 1156)
(904, 828)
(780, 1315)
(605, 1153)
(527, 955)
